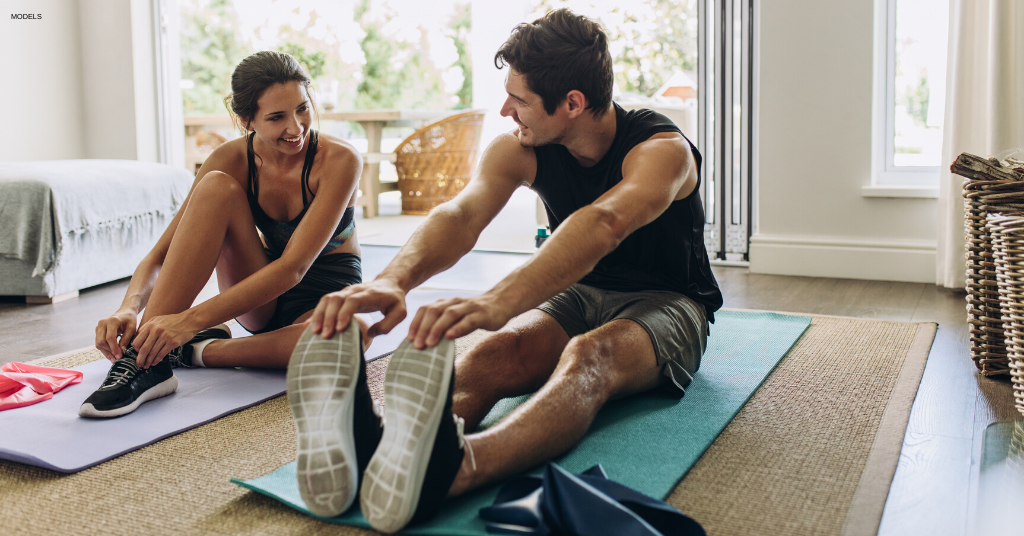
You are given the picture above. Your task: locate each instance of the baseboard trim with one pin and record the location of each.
(882, 260)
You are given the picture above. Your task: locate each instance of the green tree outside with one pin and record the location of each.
(460, 27)
(649, 39)
(210, 49)
(392, 73)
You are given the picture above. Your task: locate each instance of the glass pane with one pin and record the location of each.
(361, 55)
(920, 81)
(654, 53)
(710, 63)
(737, 110)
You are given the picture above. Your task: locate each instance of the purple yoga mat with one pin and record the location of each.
(51, 435)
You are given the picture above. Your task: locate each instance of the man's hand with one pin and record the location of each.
(455, 317)
(115, 332)
(335, 310)
(160, 335)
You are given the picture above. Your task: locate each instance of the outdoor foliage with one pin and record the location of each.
(358, 58)
(210, 49)
(397, 74)
(650, 40)
(915, 98)
(459, 34)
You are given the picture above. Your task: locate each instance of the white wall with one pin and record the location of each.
(108, 85)
(41, 92)
(814, 135)
(119, 80)
(85, 84)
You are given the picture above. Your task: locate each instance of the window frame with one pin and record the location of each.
(888, 180)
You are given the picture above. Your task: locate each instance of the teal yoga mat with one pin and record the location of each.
(645, 442)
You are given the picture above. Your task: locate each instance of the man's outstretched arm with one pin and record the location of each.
(655, 173)
(449, 232)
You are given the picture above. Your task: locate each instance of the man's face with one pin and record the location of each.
(526, 108)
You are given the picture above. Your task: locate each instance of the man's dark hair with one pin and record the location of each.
(558, 53)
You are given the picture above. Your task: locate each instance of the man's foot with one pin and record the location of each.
(127, 386)
(185, 356)
(338, 428)
(422, 449)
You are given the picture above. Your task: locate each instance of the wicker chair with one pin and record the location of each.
(435, 163)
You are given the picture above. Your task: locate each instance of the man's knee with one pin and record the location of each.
(590, 361)
(608, 367)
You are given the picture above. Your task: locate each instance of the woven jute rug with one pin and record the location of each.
(812, 452)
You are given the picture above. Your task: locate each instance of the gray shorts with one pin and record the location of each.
(677, 325)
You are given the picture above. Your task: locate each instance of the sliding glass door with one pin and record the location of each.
(726, 124)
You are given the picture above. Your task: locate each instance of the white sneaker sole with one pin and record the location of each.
(159, 390)
(322, 377)
(415, 392)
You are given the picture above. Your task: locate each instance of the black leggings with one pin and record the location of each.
(328, 273)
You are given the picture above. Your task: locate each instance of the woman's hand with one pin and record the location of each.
(161, 335)
(115, 332)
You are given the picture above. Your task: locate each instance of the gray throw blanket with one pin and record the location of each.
(44, 204)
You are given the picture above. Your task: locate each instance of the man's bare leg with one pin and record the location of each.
(515, 360)
(612, 361)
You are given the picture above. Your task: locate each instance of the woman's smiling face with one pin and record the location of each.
(283, 117)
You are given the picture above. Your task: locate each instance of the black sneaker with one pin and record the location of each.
(127, 386)
(181, 357)
(337, 425)
(422, 449)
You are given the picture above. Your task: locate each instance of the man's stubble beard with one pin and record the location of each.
(553, 141)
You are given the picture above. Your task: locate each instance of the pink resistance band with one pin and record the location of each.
(23, 385)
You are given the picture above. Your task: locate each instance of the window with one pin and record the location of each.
(909, 96)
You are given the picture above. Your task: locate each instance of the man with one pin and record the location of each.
(616, 302)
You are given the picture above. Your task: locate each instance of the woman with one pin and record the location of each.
(298, 188)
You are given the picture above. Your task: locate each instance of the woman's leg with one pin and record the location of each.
(216, 230)
(266, 350)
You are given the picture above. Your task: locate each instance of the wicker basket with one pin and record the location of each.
(1008, 253)
(435, 163)
(988, 189)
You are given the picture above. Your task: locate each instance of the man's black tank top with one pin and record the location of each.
(666, 254)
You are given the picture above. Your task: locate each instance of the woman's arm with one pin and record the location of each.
(336, 191)
(339, 173)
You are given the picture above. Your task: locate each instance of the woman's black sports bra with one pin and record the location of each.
(277, 233)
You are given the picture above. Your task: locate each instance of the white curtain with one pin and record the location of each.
(984, 109)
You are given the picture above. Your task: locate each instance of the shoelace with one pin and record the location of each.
(176, 357)
(460, 425)
(121, 372)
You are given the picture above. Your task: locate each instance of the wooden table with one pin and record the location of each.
(373, 123)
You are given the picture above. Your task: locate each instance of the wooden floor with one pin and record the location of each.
(937, 479)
